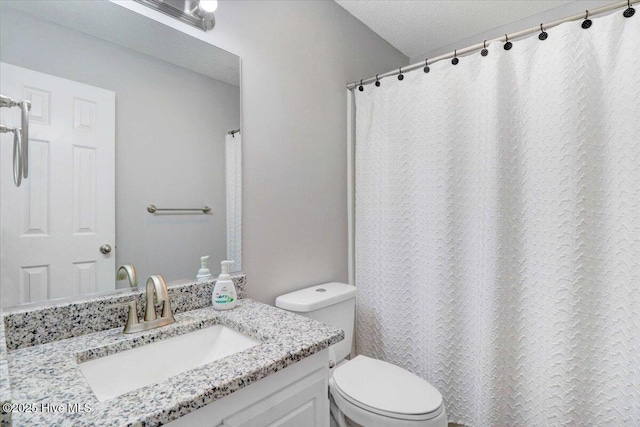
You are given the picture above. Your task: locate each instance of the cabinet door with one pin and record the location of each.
(303, 403)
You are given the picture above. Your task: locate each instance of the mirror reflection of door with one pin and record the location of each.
(54, 224)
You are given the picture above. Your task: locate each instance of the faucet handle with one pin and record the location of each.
(167, 310)
(132, 314)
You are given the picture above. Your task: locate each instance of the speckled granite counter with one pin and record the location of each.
(5, 390)
(49, 373)
(26, 326)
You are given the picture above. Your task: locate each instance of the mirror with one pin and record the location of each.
(125, 113)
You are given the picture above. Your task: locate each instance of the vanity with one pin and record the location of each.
(255, 365)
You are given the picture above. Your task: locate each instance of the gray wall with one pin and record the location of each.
(170, 129)
(297, 57)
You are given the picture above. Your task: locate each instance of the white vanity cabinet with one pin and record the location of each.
(296, 396)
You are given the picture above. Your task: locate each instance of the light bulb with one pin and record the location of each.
(208, 6)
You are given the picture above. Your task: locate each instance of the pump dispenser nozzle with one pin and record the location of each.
(224, 266)
(204, 272)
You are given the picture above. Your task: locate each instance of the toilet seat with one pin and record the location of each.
(393, 415)
(371, 389)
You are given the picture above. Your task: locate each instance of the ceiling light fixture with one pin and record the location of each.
(207, 6)
(197, 13)
(204, 9)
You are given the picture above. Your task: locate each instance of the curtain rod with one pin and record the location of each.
(233, 132)
(505, 38)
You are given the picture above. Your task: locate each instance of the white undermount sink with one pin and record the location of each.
(129, 370)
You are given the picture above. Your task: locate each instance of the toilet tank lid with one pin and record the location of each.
(316, 297)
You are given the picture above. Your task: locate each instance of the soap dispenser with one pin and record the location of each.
(224, 292)
(204, 272)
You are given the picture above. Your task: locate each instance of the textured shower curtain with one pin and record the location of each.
(498, 228)
(233, 170)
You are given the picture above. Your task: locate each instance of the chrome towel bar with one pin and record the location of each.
(154, 209)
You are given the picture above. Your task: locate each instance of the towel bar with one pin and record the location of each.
(154, 209)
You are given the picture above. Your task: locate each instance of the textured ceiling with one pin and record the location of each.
(418, 26)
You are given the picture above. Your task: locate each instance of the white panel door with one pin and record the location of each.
(54, 224)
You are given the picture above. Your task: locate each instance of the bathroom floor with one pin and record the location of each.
(334, 423)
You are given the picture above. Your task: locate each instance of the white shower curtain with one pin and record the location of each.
(233, 148)
(498, 228)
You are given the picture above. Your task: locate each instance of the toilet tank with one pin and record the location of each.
(331, 303)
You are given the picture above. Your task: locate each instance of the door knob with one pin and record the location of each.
(105, 249)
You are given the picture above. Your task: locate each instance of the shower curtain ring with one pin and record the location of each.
(400, 75)
(377, 81)
(630, 11)
(455, 59)
(508, 45)
(543, 34)
(426, 68)
(360, 88)
(484, 51)
(587, 22)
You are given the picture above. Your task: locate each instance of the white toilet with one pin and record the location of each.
(369, 392)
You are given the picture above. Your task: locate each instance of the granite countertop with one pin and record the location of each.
(49, 373)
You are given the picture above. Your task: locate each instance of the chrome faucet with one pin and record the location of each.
(127, 271)
(156, 289)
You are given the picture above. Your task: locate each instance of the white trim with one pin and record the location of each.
(351, 184)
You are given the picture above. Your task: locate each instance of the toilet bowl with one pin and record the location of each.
(364, 391)
(371, 392)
